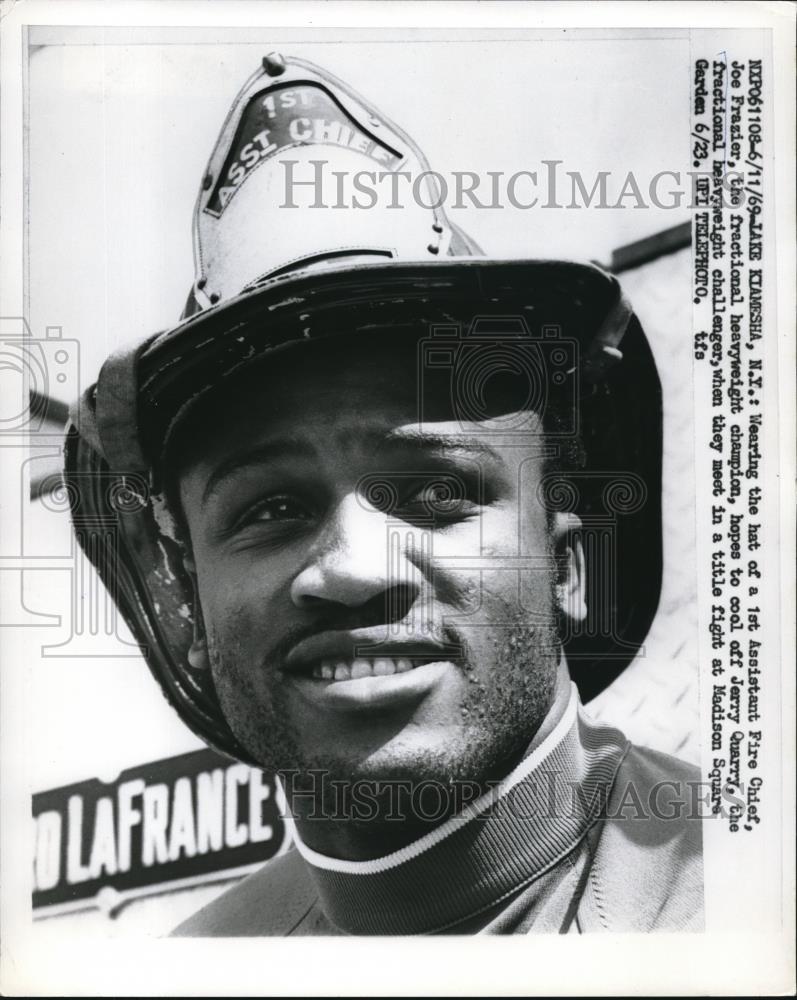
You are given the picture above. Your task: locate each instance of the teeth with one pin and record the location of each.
(344, 670)
(384, 667)
(360, 668)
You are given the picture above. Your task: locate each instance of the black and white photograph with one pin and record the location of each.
(397, 430)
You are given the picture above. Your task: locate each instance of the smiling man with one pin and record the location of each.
(353, 491)
(326, 652)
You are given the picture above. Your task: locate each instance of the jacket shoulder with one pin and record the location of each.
(647, 872)
(269, 902)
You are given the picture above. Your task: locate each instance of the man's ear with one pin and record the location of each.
(198, 656)
(571, 579)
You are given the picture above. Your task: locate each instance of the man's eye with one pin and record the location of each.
(279, 508)
(439, 498)
(437, 501)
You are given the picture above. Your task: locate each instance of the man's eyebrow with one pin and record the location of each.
(440, 442)
(269, 451)
(289, 447)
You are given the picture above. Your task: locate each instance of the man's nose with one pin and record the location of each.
(361, 556)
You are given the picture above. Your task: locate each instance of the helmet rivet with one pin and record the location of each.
(207, 180)
(274, 64)
(214, 298)
(201, 283)
(433, 249)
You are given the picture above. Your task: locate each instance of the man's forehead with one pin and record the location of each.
(378, 445)
(367, 436)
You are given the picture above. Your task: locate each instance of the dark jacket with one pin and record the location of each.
(641, 874)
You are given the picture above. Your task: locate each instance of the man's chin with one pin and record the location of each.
(422, 785)
(436, 757)
(386, 764)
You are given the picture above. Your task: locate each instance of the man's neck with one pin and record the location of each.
(351, 839)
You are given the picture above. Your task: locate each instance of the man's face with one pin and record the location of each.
(357, 572)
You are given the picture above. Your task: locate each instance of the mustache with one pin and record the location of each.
(440, 632)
